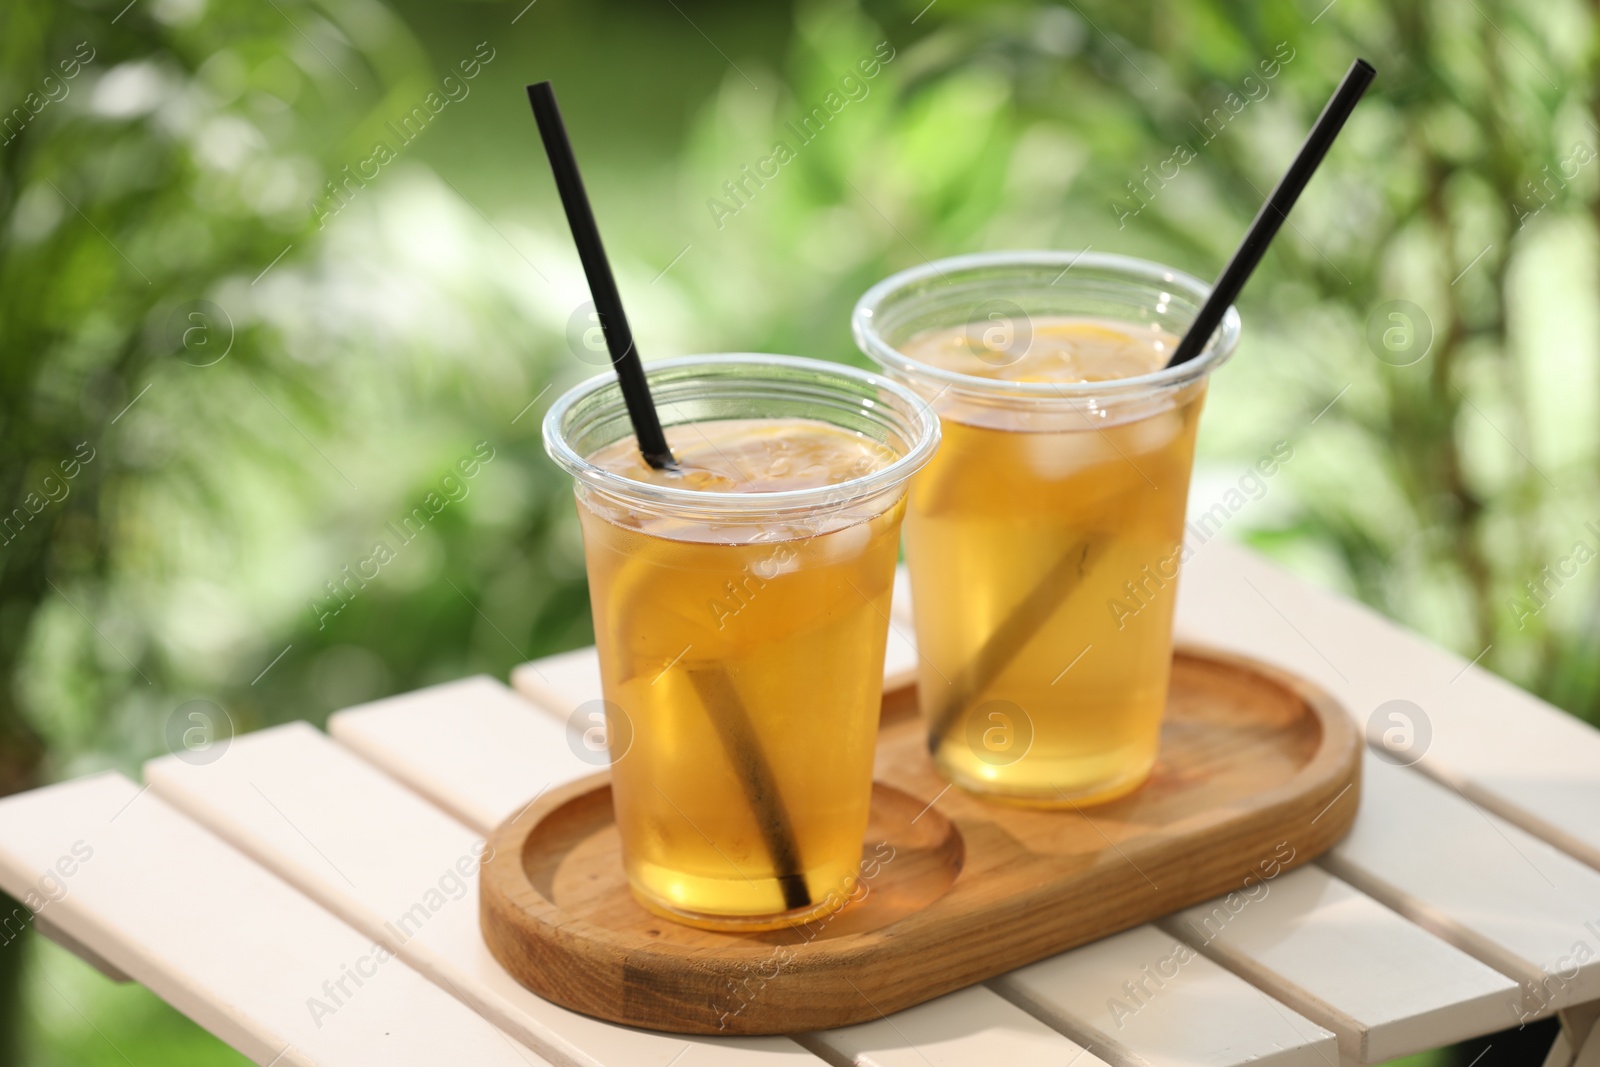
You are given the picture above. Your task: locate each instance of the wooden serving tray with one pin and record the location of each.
(1258, 773)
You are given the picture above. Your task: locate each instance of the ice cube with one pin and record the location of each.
(1052, 457)
(842, 545)
(1149, 434)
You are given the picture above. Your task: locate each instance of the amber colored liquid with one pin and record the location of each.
(1044, 567)
(748, 662)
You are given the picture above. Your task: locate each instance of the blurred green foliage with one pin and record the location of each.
(268, 368)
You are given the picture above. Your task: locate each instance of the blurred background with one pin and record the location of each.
(269, 270)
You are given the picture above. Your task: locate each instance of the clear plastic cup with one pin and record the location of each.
(1045, 539)
(741, 638)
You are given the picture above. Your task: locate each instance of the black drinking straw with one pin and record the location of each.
(602, 286)
(750, 766)
(1274, 211)
(713, 685)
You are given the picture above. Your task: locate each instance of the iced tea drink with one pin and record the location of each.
(741, 610)
(1045, 538)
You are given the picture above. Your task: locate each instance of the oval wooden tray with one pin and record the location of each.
(1258, 773)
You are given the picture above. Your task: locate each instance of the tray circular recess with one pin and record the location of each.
(1258, 773)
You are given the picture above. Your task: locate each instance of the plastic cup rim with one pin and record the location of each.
(922, 427)
(875, 348)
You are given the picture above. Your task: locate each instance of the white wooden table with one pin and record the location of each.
(312, 899)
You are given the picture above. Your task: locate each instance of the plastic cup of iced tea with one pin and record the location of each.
(1045, 538)
(741, 612)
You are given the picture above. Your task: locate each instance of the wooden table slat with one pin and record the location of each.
(493, 757)
(1142, 997)
(405, 874)
(230, 945)
(974, 1025)
(1509, 751)
(1484, 848)
(1514, 901)
(1387, 987)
